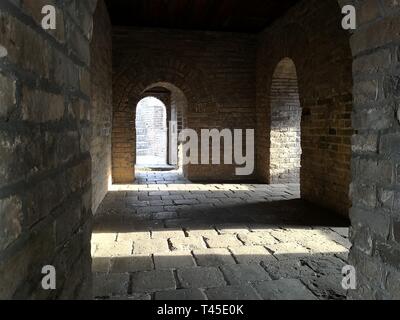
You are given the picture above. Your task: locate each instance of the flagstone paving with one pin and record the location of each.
(169, 239)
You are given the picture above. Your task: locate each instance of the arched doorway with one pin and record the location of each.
(285, 155)
(151, 133)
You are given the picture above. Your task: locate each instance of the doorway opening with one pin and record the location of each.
(151, 134)
(285, 161)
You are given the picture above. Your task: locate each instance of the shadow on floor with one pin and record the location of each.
(204, 276)
(287, 213)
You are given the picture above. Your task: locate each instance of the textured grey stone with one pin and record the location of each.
(292, 269)
(242, 273)
(284, 289)
(242, 292)
(106, 285)
(131, 264)
(173, 260)
(213, 257)
(150, 281)
(182, 294)
(200, 277)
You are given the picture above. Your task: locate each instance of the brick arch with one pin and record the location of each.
(130, 84)
(323, 60)
(285, 136)
(138, 75)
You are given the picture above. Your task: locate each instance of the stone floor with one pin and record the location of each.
(166, 238)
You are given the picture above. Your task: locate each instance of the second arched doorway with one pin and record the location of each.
(285, 144)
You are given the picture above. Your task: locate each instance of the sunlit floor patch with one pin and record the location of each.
(166, 238)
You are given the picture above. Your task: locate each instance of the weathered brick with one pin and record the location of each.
(11, 219)
(7, 95)
(39, 106)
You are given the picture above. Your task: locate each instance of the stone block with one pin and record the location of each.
(7, 95)
(213, 257)
(284, 289)
(251, 254)
(257, 239)
(131, 264)
(173, 260)
(151, 281)
(11, 220)
(106, 285)
(242, 273)
(188, 244)
(181, 295)
(150, 246)
(231, 293)
(200, 277)
(222, 241)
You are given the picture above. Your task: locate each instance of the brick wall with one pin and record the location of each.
(101, 111)
(45, 164)
(311, 35)
(214, 71)
(376, 155)
(285, 124)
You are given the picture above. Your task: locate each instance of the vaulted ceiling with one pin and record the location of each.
(249, 16)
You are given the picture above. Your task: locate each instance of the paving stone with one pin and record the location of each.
(261, 227)
(133, 236)
(213, 257)
(181, 295)
(200, 277)
(251, 254)
(289, 250)
(114, 249)
(308, 254)
(150, 246)
(132, 264)
(233, 229)
(174, 260)
(344, 232)
(167, 233)
(206, 232)
(101, 264)
(151, 281)
(243, 292)
(328, 287)
(107, 284)
(257, 239)
(134, 296)
(291, 269)
(243, 273)
(103, 237)
(149, 209)
(93, 248)
(294, 234)
(189, 243)
(165, 215)
(223, 241)
(325, 247)
(284, 289)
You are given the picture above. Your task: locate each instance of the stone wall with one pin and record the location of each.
(215, 72)
(311, 35)
(45, 164)
(376, 151)
(101, 111)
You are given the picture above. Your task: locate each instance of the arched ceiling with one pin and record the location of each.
(248, 16)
